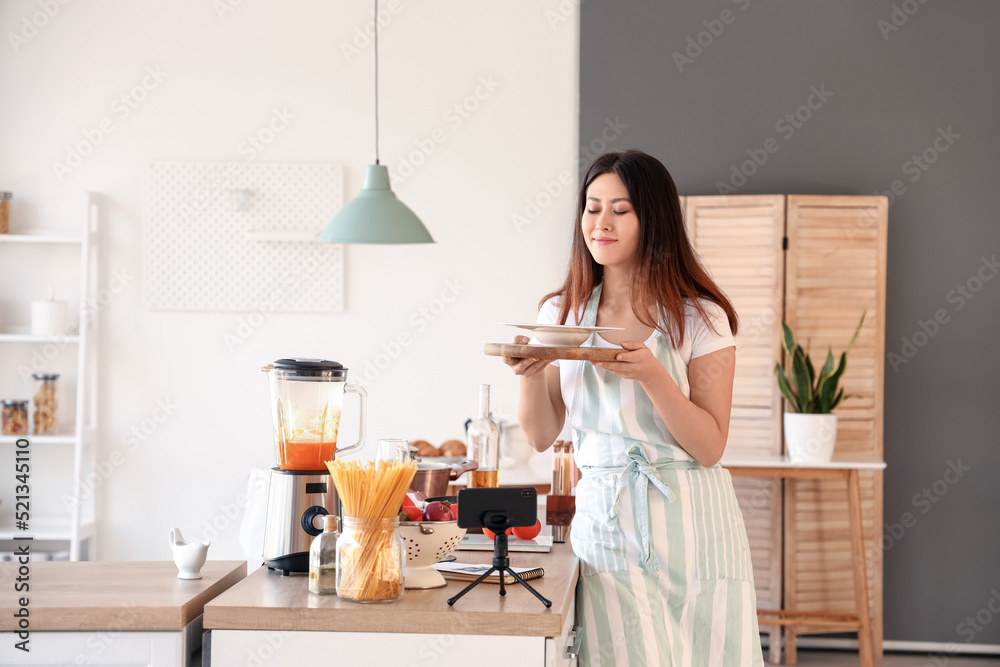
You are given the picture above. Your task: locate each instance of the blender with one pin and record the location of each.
(306, 400)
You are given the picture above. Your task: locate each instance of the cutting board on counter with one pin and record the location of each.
(551, 352)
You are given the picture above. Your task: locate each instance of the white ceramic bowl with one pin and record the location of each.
(427, 542)
(559, 338)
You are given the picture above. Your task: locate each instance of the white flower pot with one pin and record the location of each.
(809, 438)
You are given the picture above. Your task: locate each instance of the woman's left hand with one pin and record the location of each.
(634, 362)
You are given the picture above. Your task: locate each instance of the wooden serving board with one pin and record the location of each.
(551, 352)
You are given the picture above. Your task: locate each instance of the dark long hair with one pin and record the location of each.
(666, 270)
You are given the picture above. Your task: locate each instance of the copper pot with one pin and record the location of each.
(432, 478)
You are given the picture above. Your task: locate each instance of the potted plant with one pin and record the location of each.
(811, 428)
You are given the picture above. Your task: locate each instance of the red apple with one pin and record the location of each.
(438, 511)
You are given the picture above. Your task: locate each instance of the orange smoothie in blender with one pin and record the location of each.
(306, 455)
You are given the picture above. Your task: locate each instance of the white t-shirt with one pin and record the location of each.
(699, 338)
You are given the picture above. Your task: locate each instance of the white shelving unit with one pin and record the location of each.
(77, 525)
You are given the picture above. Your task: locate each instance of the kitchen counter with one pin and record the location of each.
(91, 612)
(266, 601)
(267, 611)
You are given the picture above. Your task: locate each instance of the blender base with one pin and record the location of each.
(290, 564)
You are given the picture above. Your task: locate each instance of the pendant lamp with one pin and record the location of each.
(376, 215)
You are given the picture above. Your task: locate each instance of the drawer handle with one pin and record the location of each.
(576, 639)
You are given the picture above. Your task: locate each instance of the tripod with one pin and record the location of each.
(501, 565)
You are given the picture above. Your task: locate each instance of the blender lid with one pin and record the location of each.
(310, 367)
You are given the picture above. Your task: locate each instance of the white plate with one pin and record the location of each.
(562, 327)
(561, 335)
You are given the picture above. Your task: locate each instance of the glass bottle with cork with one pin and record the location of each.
(483, 436)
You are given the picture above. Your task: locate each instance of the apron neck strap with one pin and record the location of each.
(590, 314)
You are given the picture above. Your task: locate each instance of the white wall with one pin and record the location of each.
(224, 76)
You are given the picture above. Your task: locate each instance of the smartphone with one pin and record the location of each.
(497, 509)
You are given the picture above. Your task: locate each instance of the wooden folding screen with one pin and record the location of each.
(835, 270)
(740, 240)
(832, 270)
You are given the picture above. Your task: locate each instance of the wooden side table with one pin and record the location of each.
(847, 470)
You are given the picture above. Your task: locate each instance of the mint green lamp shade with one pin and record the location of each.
(376, 216)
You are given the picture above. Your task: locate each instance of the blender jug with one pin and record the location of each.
(306, 400)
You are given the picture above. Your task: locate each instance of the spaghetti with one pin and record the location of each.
(369, 556)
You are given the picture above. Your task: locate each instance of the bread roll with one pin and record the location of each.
(425, 449)
(453, 448)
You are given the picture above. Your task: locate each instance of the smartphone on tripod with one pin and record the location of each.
(498, 509)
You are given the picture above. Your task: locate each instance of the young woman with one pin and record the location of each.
(665, 566)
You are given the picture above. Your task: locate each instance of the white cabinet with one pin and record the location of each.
(282, 648)
(61, 503)
(111, 648)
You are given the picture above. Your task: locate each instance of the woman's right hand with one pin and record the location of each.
(523, 366)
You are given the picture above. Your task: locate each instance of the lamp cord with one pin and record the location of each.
(376, 81)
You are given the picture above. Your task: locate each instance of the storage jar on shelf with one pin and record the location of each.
(14, 419)
(5, 198)
(45, 404)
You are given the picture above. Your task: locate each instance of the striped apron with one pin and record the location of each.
(665, 565)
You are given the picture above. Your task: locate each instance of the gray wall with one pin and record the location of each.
(891, 95)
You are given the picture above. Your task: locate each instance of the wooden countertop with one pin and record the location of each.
(267, 601)
(105, 595)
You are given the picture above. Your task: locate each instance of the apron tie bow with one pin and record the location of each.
(642, 472)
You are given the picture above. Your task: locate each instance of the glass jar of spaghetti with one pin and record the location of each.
(371, 560)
